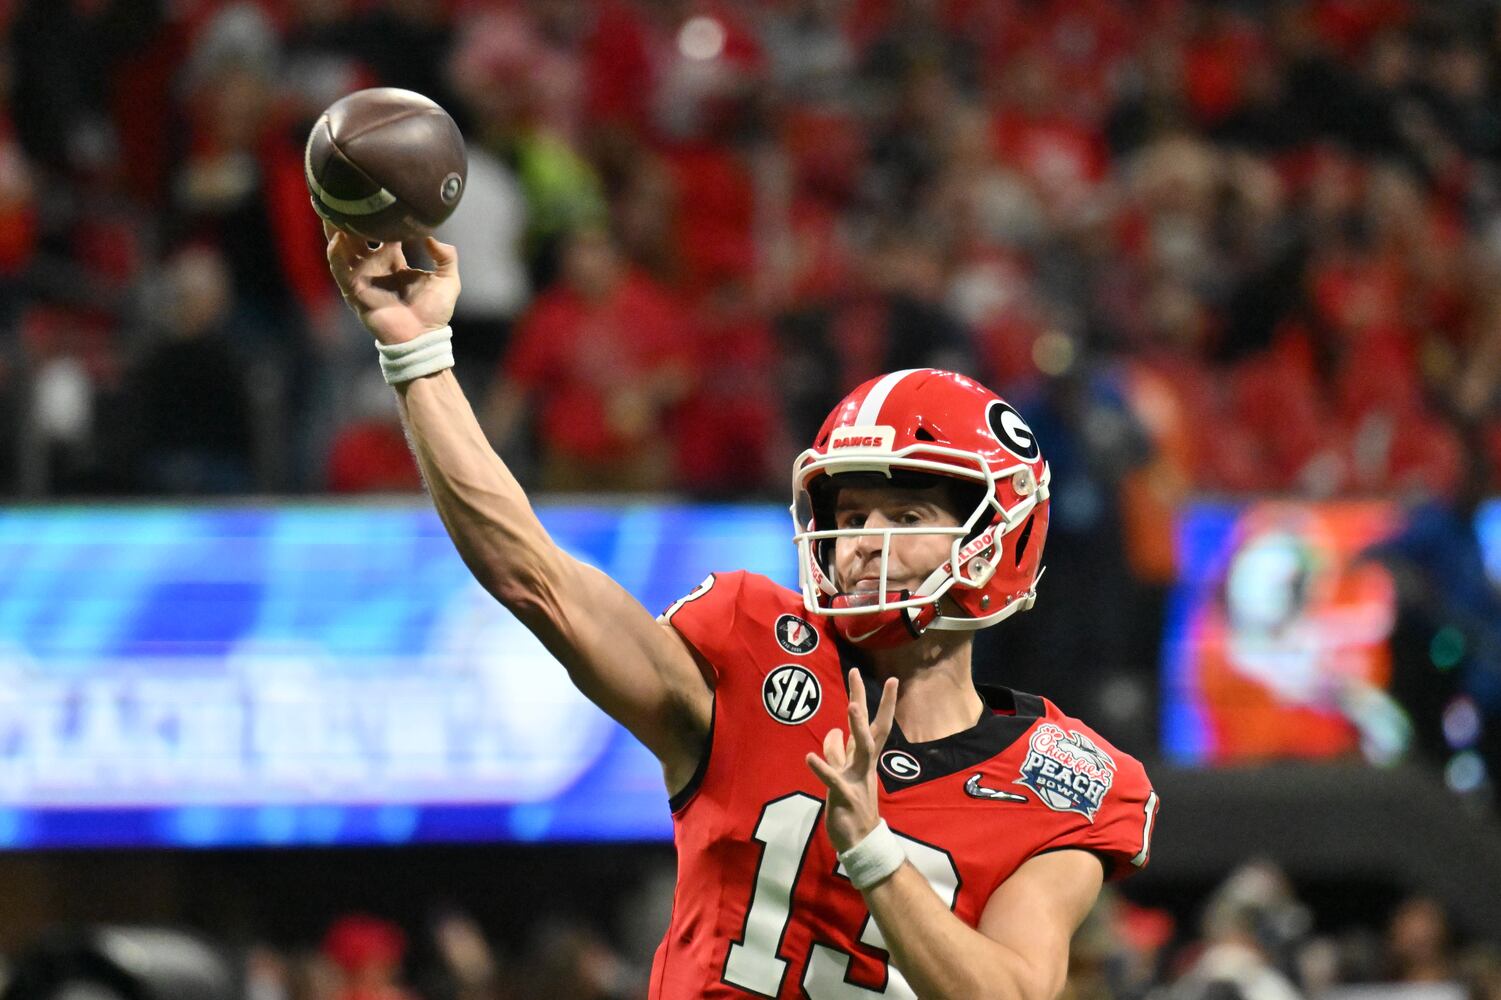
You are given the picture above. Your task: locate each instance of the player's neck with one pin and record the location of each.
(937, 697)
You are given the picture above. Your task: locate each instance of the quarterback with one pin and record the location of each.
(854, 817)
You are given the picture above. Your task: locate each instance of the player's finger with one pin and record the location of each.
(445, 256)
(833, 747)
(827, 774)
(341, 263)
(857, 699)
(885, 713)
(387, 258)
(862, 747)
(339, 250)
(857, 687)
(352, 261)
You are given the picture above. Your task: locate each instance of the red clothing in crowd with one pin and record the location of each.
(367, 951)
(730, 427)
(372, 457)
(578, 357)
(716, 207)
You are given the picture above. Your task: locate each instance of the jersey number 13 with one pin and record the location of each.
(785, 830)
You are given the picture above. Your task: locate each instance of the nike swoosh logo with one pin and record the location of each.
(866, 635)
(973, 788)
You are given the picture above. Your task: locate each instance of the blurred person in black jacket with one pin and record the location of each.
(1447, 643)
(188, 394)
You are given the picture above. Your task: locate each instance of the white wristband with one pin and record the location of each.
(874, 858)
(431, 352)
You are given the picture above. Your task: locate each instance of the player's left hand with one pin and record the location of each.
(848, 766)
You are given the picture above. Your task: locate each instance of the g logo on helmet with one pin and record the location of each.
(1011, 430)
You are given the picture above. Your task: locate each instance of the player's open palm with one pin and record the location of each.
(395, 301)
(848, 766)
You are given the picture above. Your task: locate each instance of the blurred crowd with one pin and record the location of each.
(1206, 245)
(1253, 938)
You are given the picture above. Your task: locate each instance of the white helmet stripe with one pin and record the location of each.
(870, 410)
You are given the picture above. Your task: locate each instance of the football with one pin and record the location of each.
(385, 164)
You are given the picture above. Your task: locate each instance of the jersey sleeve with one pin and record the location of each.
(1120, 831)
(708, 617)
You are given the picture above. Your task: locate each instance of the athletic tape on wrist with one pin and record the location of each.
(874, 858)
(431, 352)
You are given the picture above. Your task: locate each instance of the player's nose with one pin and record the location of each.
(869, 543)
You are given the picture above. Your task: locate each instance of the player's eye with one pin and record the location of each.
(849, 519)
(910, 518)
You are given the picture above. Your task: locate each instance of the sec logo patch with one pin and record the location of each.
(791, 694)
(795, 635)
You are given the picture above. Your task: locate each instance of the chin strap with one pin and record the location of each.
(1023, 602)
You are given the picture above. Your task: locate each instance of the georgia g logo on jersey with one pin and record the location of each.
(796, 636)
(900, 764)
(791, 694)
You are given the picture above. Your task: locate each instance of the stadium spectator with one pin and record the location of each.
(193, 416)
(1249, 924)
(369, 453)
(1418, 944)
(519, 91)
(602, 357)
(367, 954)
(240, 189)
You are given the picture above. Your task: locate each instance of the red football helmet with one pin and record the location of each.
(930, 423)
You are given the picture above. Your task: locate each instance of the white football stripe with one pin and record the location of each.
(381, 199)
(870, 410)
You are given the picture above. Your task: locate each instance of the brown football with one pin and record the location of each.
(385, 164)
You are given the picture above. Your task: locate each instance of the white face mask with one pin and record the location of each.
(972, 555)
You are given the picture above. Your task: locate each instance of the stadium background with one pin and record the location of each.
(1236, 262)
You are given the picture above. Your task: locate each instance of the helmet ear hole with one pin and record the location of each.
(923, 434)
(1024, 538)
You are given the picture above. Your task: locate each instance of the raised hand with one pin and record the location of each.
(396, 302)
(848, 765)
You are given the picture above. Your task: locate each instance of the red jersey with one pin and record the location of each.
(763, 906)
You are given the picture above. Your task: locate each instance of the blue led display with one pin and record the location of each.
(318, 674)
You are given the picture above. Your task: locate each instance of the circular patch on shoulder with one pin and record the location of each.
(796, 635)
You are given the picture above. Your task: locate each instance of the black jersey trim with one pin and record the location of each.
(684, 795)
(963, 751)
(1017, 703)
(1007, 717)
